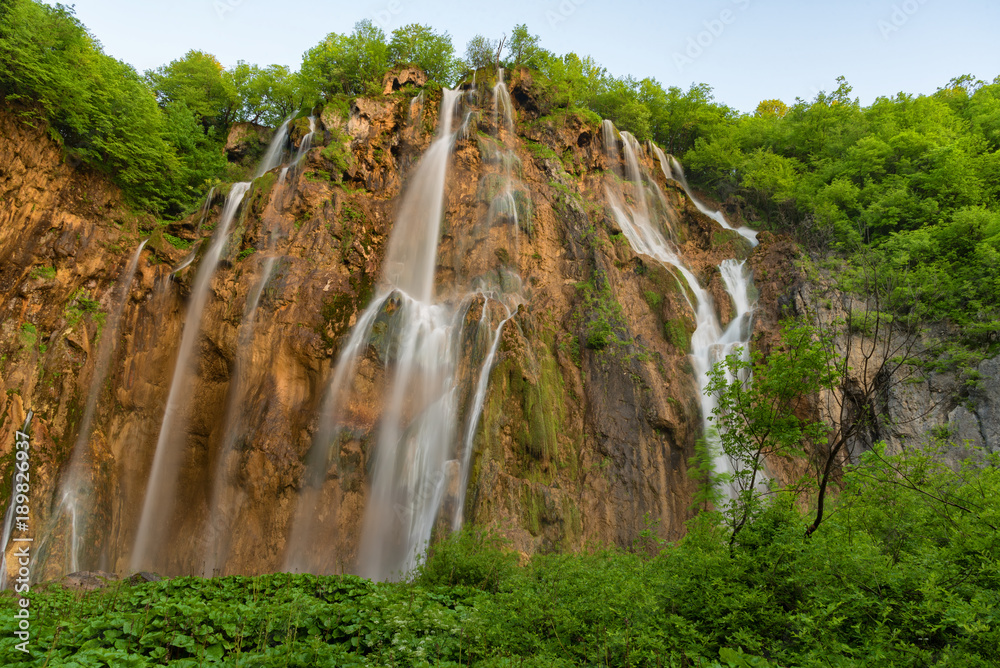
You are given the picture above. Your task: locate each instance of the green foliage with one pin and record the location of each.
(99, 107)
(419, 45)
(906, 573)
(913, 178)
(760, 415)
(177, 242)
(480, 52)
(347, 64)
(473, 557)
(338, 154)
(603, 314)
(263, 95)
(523, 49)
(196, 81)
(29, 335)
(43, 272)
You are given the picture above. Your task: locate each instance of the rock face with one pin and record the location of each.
(247, 141)
(582, 439)
(403, 76)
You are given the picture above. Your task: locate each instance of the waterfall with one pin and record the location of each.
(306, 142)
(477, 407)
(502, 107)
(710, 343)
(408, 283)
(76, 500)
(205, 208)
(673, 170)
(275, 150)
(412, 253)
(8, 518)
(421, 448)
(219, 527)
(158, 505)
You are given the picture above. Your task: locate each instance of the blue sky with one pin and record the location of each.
(747, 50)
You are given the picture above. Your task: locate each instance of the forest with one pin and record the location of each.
(904, 569)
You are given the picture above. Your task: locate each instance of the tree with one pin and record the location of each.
(523, 49)
(479, 52)
(763, 411)
(264, 95)
(350, 65)
(196, 81)
(419, 45)
(771, 109)
(870, 356)
(821, 393)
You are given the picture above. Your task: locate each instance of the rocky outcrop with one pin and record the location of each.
(247, 141)
(402, 77)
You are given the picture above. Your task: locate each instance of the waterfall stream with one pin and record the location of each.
(422, 445)
(159, 499)
(710, 342)
(8, 518)
(76, 492)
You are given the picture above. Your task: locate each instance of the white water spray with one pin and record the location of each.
(673, 170)
(275, 150)
(77, 500)
(8, 518)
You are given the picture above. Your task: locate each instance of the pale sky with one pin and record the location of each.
(747, 50)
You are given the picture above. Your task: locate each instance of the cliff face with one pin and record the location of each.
(590, 414)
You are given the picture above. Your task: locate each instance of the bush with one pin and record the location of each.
(472, 557)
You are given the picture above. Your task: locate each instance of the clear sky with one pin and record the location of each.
(747, 50)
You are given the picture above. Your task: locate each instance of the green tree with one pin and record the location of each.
(352, 65)
(100, 109)
(480, 52)
(197, 81)
(265, 95)
(762, 411)
(419, 45)
(523, 49)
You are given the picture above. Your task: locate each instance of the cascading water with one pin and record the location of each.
(219, 525)
(275, 150)
(8, 518)
(75, 496)
(224, 498)
(158, 505)
(710, 343)
(510, 204)
(421, 449)
(408, 284)
(673, 170)
(306, 142)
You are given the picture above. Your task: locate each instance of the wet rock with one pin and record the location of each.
(247, 141)
(88, 580)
